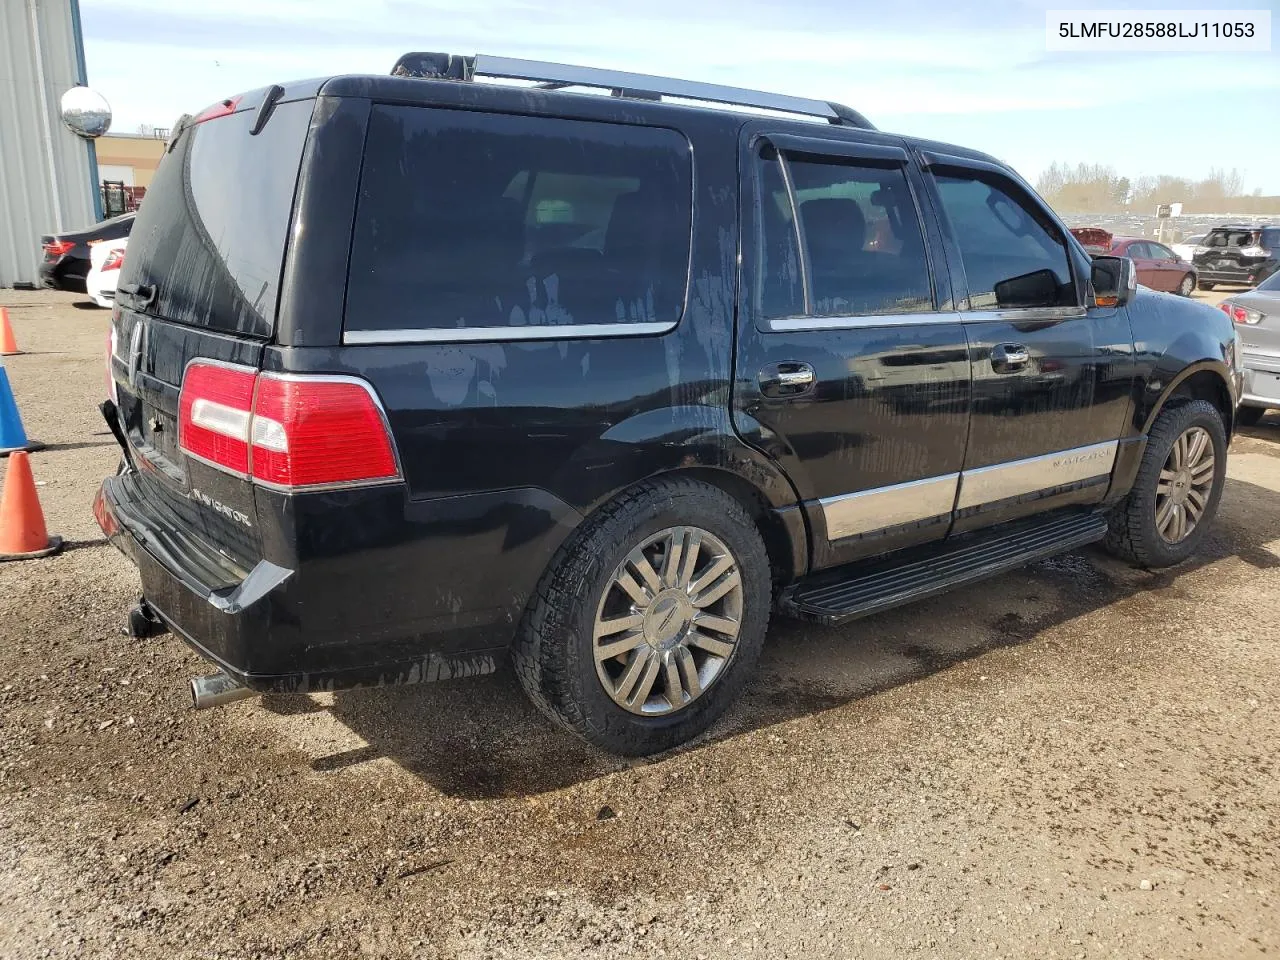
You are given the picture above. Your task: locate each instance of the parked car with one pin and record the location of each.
(1256, 315)
(106, 257)
(1186, 249)
(66, 255)
(1238, 254)
(1159, 268)
(589, 381)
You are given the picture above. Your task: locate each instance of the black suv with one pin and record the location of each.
(1238, 254)
(415, 372)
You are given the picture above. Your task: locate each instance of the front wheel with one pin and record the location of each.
(646, 626)
(1186, 286)
(1176, 493)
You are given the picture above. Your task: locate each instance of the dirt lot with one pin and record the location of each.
(1077, 760)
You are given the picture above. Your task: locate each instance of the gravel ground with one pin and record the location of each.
(1075, 760)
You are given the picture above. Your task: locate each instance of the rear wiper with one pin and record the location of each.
(139, 295)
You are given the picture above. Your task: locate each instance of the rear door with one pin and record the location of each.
(851, 369)
(200, 281)
(1169, 266)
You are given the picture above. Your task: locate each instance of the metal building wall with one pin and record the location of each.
(46, 171)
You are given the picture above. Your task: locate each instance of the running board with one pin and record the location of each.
(890, 580)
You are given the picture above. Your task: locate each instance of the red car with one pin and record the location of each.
(1158, 267)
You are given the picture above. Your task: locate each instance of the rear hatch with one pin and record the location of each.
(1095, 240)
(1237, 251)
(200, 281)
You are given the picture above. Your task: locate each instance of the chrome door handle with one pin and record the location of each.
(788, 379)
(1008, 357)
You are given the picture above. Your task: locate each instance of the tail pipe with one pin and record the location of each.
(216, 689)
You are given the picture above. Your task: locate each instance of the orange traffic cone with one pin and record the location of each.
(8, 345)
(22, 531)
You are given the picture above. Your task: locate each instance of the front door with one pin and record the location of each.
(1051, 378)
(852, 368)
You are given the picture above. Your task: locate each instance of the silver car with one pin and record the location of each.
(1257, 318)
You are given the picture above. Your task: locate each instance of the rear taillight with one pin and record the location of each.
(286, 431)
(56, 248)
(1239, 314)
(114, 261)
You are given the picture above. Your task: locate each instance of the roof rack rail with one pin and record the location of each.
(636, 86)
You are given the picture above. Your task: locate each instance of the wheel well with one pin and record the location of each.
(1207, 385)
(777, 542)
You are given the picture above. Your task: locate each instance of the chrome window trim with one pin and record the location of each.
(1000, 481)
(568, 331)
(861, 321)
(850, 514)
(1023, 314)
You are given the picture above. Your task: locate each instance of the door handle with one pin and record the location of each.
(1008, 357)
(791, 378)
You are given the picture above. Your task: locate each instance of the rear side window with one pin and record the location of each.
(473, 220)
(863, 246)
(1219, 239)
(1013, 256)
(211, 234)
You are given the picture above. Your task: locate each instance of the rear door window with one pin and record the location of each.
(473, 221)
(863, 245)
(211, 234)
(1013, 255)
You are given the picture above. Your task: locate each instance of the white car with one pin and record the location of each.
(1187, 248)
(105, 260)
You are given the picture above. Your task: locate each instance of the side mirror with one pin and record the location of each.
(1115, 281)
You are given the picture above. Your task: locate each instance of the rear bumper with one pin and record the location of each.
(430, 594)
(65, 273)
(1240, 276)
(1261, 381)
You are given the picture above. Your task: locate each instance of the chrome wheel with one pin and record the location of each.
(668, 622)
(1182, 494)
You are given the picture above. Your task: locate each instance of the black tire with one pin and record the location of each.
(553, 651)
(1249, 416)
(1205, 285)
(1133, 535)
(1186, 285)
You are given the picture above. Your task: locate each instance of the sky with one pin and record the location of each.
(971, 73)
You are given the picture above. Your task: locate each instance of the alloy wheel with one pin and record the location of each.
(1185, 485)
(668, 622)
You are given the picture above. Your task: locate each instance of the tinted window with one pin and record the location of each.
(480, 220)
(211, 233)
(864, 250)
(1271, 240)
(1013, 256)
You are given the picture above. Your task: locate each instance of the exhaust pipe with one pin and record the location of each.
(215, 690)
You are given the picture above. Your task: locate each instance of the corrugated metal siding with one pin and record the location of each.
(32, 201)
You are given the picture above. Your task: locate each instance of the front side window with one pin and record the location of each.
(864, 251)
(1013, 257)
(470, 220)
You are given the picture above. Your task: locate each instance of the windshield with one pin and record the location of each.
(211, 234)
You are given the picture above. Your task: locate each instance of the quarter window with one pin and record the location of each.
(472, 220)
(1012, 254)
(863, 248)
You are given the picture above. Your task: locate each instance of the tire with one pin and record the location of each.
(1135, 534)
(1205, 285)
(1186, 285)
(555, 648)
(1248, 416)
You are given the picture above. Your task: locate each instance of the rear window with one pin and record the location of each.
(473, 220)
(1271, 239)
(211, 233)
(1219, 239)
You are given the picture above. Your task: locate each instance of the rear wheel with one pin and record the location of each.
(1176, 493)
(1249, 416)
(1186, 286)
(1205, 285)
(644, 630)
